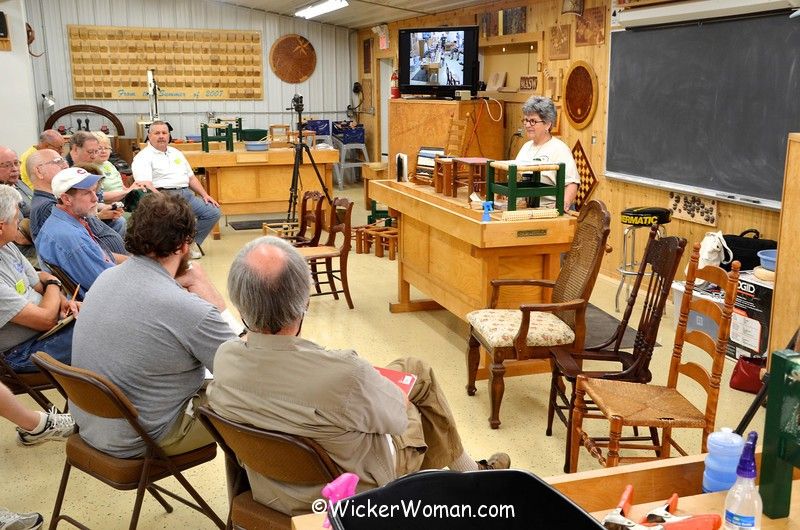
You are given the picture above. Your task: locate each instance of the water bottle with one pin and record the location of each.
(743, 503)
(724, 450)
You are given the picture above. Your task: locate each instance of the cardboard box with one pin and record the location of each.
(751, 317)
(696, 320)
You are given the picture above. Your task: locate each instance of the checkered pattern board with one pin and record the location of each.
(693, 209)
(588, 178)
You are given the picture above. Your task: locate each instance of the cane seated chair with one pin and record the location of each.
(627, 404)
(279, 456)
(307, 230)
(530, 331)
(321, 258)
(609, 361)
(96, 395)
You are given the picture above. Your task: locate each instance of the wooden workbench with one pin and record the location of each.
(450, 255)
(598, 491)
(248, 182)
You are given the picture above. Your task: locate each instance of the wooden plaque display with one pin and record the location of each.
(110, 62)
(580, 94)
(293, 58)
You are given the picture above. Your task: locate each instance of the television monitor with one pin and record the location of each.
(438, 61)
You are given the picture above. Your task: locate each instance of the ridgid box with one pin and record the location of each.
(751, 316)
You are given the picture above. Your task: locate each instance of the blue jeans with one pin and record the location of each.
(119, 225)
(207, 214)
(58, 345)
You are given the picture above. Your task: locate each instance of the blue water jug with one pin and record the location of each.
(724, 450)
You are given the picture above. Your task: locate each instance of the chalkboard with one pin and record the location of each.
(706, 106)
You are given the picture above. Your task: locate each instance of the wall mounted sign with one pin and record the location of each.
(580, 94)
(292, 58)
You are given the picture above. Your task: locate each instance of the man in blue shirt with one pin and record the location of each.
(66, 238)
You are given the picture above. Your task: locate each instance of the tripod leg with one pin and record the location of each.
(291, 212)
(307, 149)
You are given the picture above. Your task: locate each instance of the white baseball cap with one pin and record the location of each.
(73, 177)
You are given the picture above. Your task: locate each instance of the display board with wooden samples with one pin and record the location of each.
(111, 63)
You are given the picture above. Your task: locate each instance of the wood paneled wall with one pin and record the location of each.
(617, 195)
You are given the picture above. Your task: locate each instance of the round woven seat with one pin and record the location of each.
(646, 216)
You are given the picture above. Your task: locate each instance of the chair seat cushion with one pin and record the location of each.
(644, 405)
(318, 252)
(124, 473)
(498, 327)
(246, 512)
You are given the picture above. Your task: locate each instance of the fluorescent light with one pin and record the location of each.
(321, 8)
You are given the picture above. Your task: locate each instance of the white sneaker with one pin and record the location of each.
(58, 427)
(196, 254)
(20, 521)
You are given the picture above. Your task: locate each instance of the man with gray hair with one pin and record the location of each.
(10, 167)
(279, 381)
(49, 139)
(30, 302)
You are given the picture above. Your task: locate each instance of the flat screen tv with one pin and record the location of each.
(438, 61)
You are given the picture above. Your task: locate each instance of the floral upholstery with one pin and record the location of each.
(499, 327)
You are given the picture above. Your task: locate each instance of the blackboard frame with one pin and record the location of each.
(652, 70)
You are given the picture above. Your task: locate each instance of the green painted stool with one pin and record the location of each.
(514, 189)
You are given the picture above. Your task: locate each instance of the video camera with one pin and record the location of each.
(297, 103)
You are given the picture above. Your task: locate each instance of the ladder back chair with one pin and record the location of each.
(307, 230)
(624, 403)
(658, 265)
(96, 395)
(278, 456)
(530, 331)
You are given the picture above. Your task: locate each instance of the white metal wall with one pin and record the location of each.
(326, 92)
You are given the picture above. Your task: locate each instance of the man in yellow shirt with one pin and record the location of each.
(49, 139)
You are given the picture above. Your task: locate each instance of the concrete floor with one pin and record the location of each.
(30, 476)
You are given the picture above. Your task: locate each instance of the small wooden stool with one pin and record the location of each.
(384, 237)
(443, 175)
(469, 172)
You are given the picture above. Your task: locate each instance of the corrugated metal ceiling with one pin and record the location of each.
(362, 13)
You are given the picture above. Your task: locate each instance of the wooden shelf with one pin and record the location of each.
(510, 97)
(515, 39)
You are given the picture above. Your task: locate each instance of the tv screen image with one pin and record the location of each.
(436, 58)
(437, 61)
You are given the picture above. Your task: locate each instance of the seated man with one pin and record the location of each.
(49, 139)
(30, 302)
(85, 149)
(177, 321)
(279, 381)
(43, 166)
(10, 175)
(66, 238)
(166, 169)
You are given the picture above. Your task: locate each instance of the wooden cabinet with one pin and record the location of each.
(785, 302)
(415, 123)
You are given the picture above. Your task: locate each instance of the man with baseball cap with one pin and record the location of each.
(66, 238)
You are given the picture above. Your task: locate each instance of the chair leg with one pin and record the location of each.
(161, 500)
(473, 360)
(343, 277)
(497, 387)
(143, 483)
(203, 506)
(614, 434)
(654, 437)
(329, 272)
(576, 430)
(568, 442)
(315, 276)
(62, 488)
(551, 402)
(666, 442)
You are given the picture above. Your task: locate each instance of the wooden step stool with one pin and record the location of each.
(384, 237)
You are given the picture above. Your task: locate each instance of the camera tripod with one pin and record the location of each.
(299, 148)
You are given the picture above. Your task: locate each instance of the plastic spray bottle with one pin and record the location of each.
(743, 504)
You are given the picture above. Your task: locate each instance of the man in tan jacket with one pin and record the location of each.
(279, 381)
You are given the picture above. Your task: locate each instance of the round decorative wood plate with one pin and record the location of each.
(580, 94)
(292, 58)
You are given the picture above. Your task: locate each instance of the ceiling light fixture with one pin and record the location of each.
(321, 8)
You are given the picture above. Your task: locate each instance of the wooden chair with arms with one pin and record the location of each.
(530, 331)
(290, 459)
(320, 258)
(623, 403)
(659, 265)
(96, 395)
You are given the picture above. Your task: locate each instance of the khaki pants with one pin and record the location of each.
(188, 433)
(431, 440)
